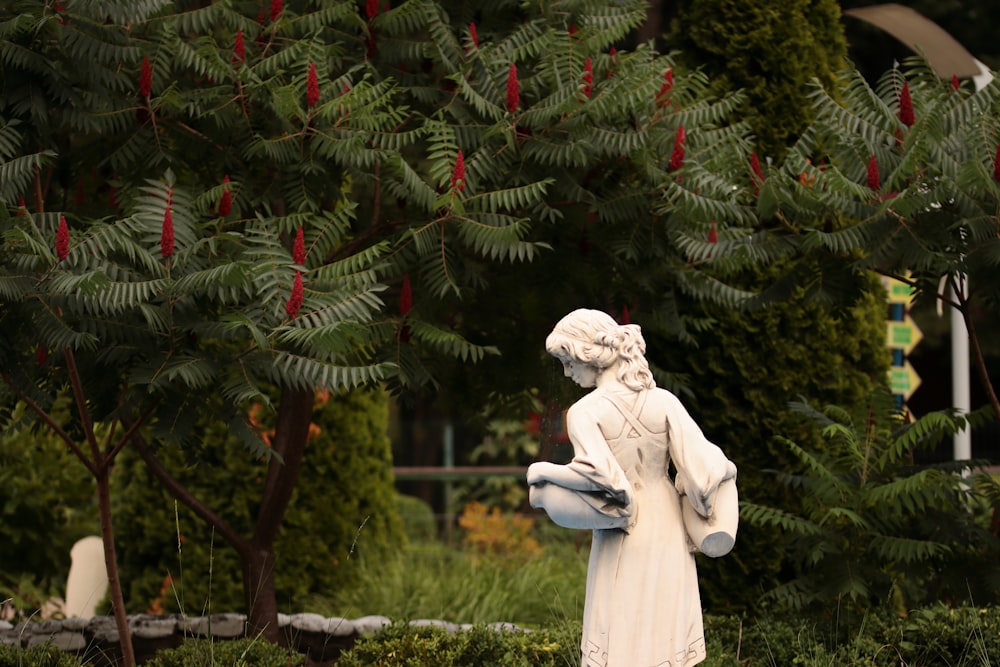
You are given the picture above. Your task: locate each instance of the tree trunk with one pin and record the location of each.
(259, 592)
(111, 562)
(291, 433)
(257, 554)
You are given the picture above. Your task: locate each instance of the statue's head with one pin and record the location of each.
(594, 338)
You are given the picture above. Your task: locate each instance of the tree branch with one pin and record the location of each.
(183, 494)
(48, 419)
(81, 406)
(132, 428)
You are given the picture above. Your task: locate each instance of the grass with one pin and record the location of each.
(434, 581)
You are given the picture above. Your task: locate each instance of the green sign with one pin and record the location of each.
(903, 335)
(903, 380)
(897, 291)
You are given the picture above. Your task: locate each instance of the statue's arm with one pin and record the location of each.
(594, 467)
(701, 465)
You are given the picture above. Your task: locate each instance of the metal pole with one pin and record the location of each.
(448, 445)
(960, 395)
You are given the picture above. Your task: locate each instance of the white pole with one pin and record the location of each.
(960, 394)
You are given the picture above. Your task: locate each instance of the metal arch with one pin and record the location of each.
(944, 53)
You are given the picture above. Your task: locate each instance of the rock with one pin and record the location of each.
(449, 627)
(64, 641)
(222, 626)
(368, 624)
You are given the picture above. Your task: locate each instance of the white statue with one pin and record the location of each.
(642, 607)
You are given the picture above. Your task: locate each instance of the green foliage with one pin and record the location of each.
(166, 110)
(874, 526)
(507, 442)
(229, 653)
(342, 518)
(44, 655)
(961, 636)
(418, 519)
(934, 212)
(806, 334)
(480, 645)
(747, 369)
(957, 637)
(770, 53)
(46, 505)
(366, 173)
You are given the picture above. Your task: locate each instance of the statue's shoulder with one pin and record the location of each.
(663, 398)
(587, 403)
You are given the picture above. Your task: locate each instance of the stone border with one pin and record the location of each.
(95, 640)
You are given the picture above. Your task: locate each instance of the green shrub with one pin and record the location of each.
(228, 653)
(937, 635)
(945, 635)
(47, 502)
(480, 646)
(748, 370)
(418, 519)
(44, 655)
(749, 365)
(343, 513)
(771, 54)
(874, 527)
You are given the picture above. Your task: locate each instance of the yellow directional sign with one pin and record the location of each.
(903, 335)
(903, 380)
(897, 291)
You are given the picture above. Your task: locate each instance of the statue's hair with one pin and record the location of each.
(594, 338)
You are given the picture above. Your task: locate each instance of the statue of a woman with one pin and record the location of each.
(642, 606)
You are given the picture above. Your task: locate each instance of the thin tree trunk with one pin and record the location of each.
(652, 28)
(111, 562)
(101, 468)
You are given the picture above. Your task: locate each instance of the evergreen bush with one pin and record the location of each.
(247, 652)
(875, 528)
(772, 52)
(478, 646)
(814, 340)
(344, 512)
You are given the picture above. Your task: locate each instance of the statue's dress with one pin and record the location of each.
(642, 605)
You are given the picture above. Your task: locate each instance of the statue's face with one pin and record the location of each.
(584, 375)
